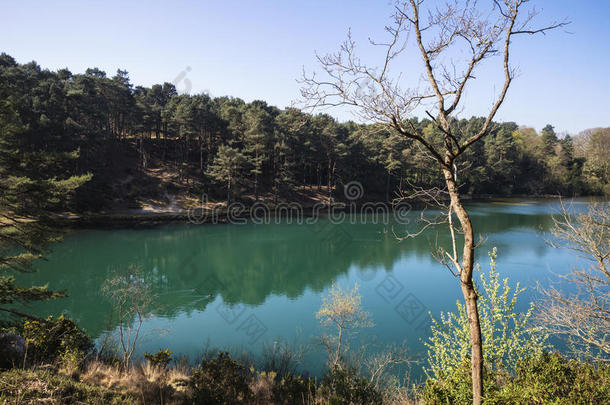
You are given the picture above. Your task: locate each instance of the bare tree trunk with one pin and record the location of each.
(201, 154)
(339, 348)
(329, 183)
(164, 142)
(256, 176)
(334, 182)
(467, 285)
(256, 186)
(229, 192)
(142, 152)
(387, 188)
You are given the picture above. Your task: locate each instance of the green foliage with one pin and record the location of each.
(11, 293)
(71, 361)
(517, 370)
(57, 126)
(160, 359)
(507, 336)
(597, 167)
(553, 379)
(343, 386)
(540, 379)
(227, 167)
(455, 387)
(220, 380)
(36, 176)
(549, 139)
(52, 338)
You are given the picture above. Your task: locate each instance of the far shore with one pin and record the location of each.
(172, 214)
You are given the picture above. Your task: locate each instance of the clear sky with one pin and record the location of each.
(257, 49)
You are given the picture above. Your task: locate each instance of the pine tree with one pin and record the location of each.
(226, 168)
(258, 129)
(31, 188)
(549, 140)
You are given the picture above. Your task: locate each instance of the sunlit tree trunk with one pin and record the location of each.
(467, 285)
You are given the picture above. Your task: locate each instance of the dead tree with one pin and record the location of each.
(383, 94)
(582, 316)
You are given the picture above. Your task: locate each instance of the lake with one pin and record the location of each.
(242, 286)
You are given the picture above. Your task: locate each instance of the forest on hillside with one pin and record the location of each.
(138, 142)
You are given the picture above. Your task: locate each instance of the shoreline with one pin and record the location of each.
(120, 218)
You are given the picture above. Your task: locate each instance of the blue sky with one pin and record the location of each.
(256, 50)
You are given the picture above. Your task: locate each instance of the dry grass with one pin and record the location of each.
(401, 396)
(262, 387)
(150, 384)
(45, 386)
(144, 384)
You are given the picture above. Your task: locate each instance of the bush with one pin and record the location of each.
(160, 359)
(507, 335)
(220, 380)
(456, 386)
(344, 387)
(282, 357)
(553, 379)
(71, 361)
(544, 379)
(294, 389)
(49, 339)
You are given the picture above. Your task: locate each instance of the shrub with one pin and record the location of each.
(160, 359)
(282, 357)
(456, 386)
(293, 389)
(261, 386)
(507, 336)
(544, 379)
(220, 380)
(49, 339)
(345, 387)
(70, 361)
(551, 378)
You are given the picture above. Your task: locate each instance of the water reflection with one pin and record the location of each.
(191, 266)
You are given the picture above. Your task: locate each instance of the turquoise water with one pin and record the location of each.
(239, 287)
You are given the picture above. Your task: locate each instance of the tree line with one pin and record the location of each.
(231, 149)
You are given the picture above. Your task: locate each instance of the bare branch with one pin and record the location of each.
(583, 317)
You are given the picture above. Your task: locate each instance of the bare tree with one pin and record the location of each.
(378, 367)
(378, 93)
(132, 300)
(342, 310)
(582, 316)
